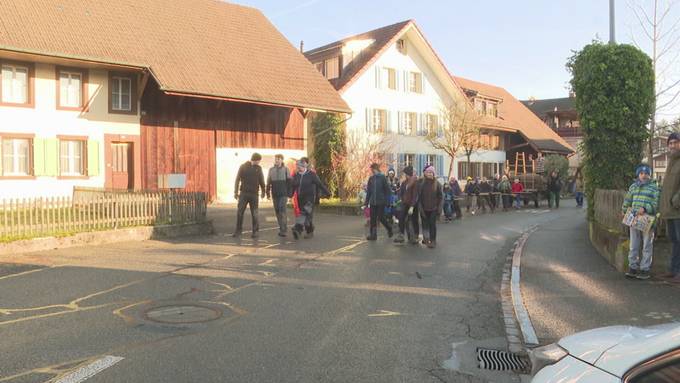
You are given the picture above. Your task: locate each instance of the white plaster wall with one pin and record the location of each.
(45, 121)
(229, 160)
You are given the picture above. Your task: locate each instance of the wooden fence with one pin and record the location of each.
(95, 209)
(608, 212)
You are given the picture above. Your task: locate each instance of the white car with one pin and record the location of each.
(611, 355)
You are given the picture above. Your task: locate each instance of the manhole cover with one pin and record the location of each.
(178, 314)
(497, 360)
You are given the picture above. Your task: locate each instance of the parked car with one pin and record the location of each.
(611, 355)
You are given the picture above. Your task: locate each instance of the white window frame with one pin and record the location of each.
(72, 158)
(69, 90)
(413, 79)
(12, 98)
(118, 83)
(16, 159)
(410, 124)
(386, 76)
(409, 159)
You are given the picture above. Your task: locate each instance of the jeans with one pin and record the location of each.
(430, 225)
(579, 199)
(404, 220)
(554, 199)
(280, 210)
(243, 201)
(448, 209)
(673, 229)
(634, 260)
(378, 214)
(518, 201)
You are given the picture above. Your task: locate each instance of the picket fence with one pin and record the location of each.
(91, 209)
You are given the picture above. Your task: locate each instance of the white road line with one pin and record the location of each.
(86, 372)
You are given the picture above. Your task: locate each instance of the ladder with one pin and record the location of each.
(520, 159)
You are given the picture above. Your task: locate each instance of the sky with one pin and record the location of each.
(521, 45)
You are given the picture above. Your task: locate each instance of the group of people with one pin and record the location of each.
(303, 186)
(646, 198)
(412, 200)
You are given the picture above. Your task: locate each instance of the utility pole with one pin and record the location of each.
(612, 14)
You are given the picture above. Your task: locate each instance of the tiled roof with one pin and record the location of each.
(194, 47)
(382, 38)
(516, 115)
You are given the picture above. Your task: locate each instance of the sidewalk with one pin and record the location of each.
(568, 287)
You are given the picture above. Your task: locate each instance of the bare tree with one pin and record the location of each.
(661, 30)
(459, 134)
(353, 166)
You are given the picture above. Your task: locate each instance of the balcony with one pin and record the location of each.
(569, 132)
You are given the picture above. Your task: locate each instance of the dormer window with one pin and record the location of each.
(332, 68)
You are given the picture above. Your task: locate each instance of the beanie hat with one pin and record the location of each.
(408, 171)
(673, 136)
(643, 168)
(391, 170)
(256, 157)
(429, 168)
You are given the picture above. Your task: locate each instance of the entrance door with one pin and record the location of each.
(122, 165)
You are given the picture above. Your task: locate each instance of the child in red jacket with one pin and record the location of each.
(517, 189)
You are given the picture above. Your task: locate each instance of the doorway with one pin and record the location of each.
(122, 165)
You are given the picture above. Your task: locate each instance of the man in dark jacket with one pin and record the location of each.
(408, 191)
(304, 189)
(249, 180)
(278, 185)
(554, 189)
(669, 206)
(378, 194)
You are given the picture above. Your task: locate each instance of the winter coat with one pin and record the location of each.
(517, 187)
(250, 178)
(485, 187)
(505, 186)
(670, 194)
(644, 196)
(306, 186)
(378, 191)
(472, 188)
(448, 194)
(430, 196)
(579, 185)
(278, 182)
(455, 187)
(554, 184)
(409, 191)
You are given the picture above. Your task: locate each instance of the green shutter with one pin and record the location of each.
(51, 160)
(39, 157)
(92, 158)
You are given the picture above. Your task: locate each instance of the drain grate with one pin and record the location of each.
(497, 360)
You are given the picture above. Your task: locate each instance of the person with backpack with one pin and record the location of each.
(430, 198)
(378, 194)
(278, 189)
(306, 188)
(643, 199)
(408, 221)
(249, 180)
(554, 189)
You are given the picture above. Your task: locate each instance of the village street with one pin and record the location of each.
(334, 308)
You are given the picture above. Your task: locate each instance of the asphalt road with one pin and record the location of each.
(211, 309)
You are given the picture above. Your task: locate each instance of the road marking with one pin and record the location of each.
(22, 273)
(267, 263)
(92, 369)
(385, 313)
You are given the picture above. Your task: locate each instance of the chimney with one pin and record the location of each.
(302, 46)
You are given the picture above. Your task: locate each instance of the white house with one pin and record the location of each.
(398, 88)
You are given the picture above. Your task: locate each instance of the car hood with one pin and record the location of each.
(617, 348)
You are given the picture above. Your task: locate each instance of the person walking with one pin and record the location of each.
(670, 205)
(448, 202)
(278, 189)
(643, 199)
(430, 198)
(409, 212)
(554, 189)
(306, 188)
(378, 194)
(505, 188)
(517, 190)
(579, 187)
(473, 192)
(249, 180)
(457, 194)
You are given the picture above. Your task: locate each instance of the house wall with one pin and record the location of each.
(45, 122)
(363, 94)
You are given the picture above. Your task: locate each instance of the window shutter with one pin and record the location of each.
(440, 165)
(369, 120)
(402, 162)
(420, 162)
(38, 157)
(378, 73)
(400, 122)
(389, 127)
(422, 83)
(51, 160)
(92, 158)
(406, 80)
(398, 79)
(419, 124)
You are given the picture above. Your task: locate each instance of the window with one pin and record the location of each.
(390, 76)
(122, 94)
(379, 121)
(16, 156)
(485, 141)
(464, 172)
(668, 372)
(431, 159)
(409, 160)
(332, 68)
(488, 169)
(409, 123)
(72, 157)
(415, 82)
(492, 109)
(479, 106)
(71, 89)
(432, 124)
(15, 84)
(496, 142)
